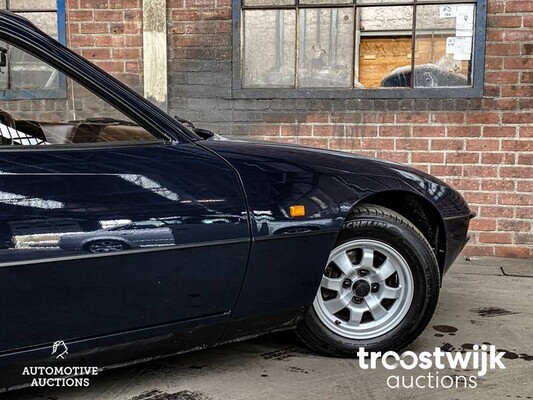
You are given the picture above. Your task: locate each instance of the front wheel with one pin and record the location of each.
(379, 289)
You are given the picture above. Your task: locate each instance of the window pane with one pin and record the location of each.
(444, 39)
(33, 5)
(4, 71)
(268, 2)
(269, 48)
(385, 46)
(326, 2)
(383, 1)
(325, 47)
(395, 18)
(47, 21)
(27, 72)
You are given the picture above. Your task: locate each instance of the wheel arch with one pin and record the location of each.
(419, 211)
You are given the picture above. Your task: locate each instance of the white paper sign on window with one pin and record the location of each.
(448, 11)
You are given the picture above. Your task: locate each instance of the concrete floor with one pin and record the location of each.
(484, 300)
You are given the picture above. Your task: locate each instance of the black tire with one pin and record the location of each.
(381, 224)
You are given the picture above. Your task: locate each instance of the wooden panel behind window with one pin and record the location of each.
(378, 56)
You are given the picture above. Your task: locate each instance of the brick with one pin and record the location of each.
(497, 158)
(519, 6)
(396, 156)
(478, 224)
(412, 144)
(415, 118)
(512, 252)
(462, 158)
(517, 91)
(513, 225)
(483, 145)
(500, 238)
(517, 145)
(395, 131)
(499, 131)
(464, 131)
(483, 118)
(377, 144)
(480, 198)
(504, 21)
(328, 130)
(448, 118)
(516, 172)
(525, 186)
(495, 212)
(429, 131)
(427, 157)
(517, 118)
(516, 199)
(447, 144)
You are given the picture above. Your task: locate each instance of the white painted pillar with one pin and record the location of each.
(155, 52)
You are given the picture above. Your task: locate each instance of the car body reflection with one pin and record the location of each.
(131, 236)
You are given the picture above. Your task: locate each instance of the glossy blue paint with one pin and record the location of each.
(132, 251)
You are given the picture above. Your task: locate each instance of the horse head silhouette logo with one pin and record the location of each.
(57, 347)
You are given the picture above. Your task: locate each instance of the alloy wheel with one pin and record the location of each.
(366, 289)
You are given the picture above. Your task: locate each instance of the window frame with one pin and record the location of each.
(478, 68)
(43, 94)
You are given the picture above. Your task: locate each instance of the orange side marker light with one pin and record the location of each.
(297, 211)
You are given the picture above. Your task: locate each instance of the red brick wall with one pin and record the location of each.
(109, 33)
(484, 147)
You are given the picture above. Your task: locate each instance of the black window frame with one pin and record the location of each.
(478, 68)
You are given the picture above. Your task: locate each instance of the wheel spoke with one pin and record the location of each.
(375, 307)
(390, 292)
(345, 265)
(356, 314)
(367, 260)
(383, 272)
(338, 303)
(331, 283)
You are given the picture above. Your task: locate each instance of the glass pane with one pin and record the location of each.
(325, 50)
(326, 2)
(47, 21)
(33, 5)
(269, 48)
(4, 75)
(444, 39)
(383, 1)
(269, 2)
(28, 72)
(385, 46)
(395, 18)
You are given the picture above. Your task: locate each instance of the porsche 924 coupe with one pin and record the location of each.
(240, 238)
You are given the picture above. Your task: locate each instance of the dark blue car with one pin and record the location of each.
(127, 235)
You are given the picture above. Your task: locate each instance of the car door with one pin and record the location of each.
(50, 293)
(74, 168)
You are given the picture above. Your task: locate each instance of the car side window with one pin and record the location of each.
(79, 118)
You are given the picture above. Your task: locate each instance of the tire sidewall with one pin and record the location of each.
(422, 264)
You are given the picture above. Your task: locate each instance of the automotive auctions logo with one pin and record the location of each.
(480, 359)
(60, 376)
(60, 345)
